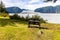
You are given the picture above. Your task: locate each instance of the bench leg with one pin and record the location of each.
(29, 25)
(39, 26)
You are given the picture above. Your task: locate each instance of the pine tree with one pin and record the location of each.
(2, 7)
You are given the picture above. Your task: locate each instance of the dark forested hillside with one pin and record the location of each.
(48, 9)
(14, 10)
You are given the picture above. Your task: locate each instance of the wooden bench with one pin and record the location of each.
(34, 22)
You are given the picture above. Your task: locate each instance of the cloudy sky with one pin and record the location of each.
(29, 4)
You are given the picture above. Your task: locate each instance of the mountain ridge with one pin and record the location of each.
(48, 9)
(16, 10)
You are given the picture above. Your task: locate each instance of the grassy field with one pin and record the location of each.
(18, 30)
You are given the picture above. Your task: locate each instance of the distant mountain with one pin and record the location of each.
(27, 10)
(14, 10)
(57, 9)
(48, 9)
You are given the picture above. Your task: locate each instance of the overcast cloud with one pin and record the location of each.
(29, 4)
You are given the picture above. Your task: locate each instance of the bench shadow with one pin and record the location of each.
(38, 27)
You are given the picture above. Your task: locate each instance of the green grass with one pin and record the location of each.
(18, 30)
(12, 33)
